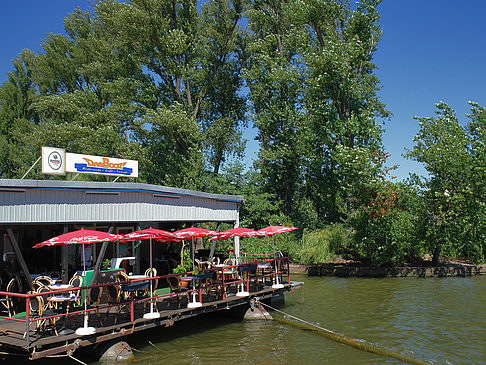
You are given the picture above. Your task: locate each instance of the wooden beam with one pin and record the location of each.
(213, 246)
(20, 258)
(101, 254)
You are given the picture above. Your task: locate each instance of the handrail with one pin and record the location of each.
(29, 318)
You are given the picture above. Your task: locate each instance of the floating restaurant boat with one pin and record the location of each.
(46, 296)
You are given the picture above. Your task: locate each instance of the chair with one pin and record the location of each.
(76, 282)
(113, 294)
(121, 277)
(204, 265)
(47, 307)
(150, 273)
(177, 288)
(44, 297)
(93, 297)
(36, 308)
(43, 280)
(54, 275)
(9, 302)
(209, 284)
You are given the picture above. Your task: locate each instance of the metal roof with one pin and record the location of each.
(57, 201)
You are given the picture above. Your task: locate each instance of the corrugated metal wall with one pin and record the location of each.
(64, 205)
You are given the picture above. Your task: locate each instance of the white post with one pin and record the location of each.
(194, 303)
(237, 239)
(151, 314)
(85, 330)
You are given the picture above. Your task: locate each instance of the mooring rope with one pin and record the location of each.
(77, 360)
(359, 344)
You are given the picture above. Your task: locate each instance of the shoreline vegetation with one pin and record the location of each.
(422, 270)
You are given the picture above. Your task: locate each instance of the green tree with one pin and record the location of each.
(454, 191)
(313, 90)
(16, 117)
(143, 80)
(190, 57)
(340, 97)
(275, 83)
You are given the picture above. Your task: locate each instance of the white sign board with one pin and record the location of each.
(87, 164)
(53, 161)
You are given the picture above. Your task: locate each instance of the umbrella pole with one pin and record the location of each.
(194, 303)
(277, 284)
(151, 314)
(241, 287)
(85, 330)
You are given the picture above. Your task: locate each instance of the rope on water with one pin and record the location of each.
(356, 343)
(72, 357)
(154, 346)
(136, 350)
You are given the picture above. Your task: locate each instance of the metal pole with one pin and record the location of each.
(31, 167)
(64, 260)
(27, 322)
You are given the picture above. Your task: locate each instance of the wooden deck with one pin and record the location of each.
(115, 320)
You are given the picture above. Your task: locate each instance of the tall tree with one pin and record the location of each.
(146, 80)
(275, 82)
(313, 92)
(16, 117)
(341, 97)
(455, 192)
(190, 56)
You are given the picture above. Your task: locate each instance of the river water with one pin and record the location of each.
(439, 320)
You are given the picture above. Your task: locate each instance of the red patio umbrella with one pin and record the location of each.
(81, 237)
(271, 230)
(275, 229)
(145, 234)
(191, 233)
(236, 232)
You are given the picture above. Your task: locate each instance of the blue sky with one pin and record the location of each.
(431, 51)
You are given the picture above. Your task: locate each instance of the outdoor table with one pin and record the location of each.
(60, 286)
(247, 267)
(135, 285)
(136, 277)
(59, 298)
(64, 302)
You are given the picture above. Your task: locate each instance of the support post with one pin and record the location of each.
(213, 245)
(64, 259)
(16, 247)
(237, 239)
(100, 258)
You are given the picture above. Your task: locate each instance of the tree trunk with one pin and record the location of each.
(436, 255)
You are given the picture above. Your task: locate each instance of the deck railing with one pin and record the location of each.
(249, 270)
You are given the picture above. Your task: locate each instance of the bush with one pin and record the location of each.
(323, 245)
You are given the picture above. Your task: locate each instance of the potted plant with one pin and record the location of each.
(106, 264)
(184, 267)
